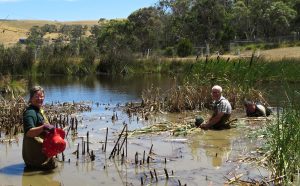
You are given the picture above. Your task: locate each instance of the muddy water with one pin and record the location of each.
(200, 158)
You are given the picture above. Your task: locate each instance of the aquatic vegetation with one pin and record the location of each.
(11, 112)
(176, 129)
(10, 88)
(194, 97)
(283, 142)
(58, 114)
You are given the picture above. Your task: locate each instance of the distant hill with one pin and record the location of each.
(12, 30)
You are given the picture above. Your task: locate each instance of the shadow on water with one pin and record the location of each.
(13, 170)
(28, 177)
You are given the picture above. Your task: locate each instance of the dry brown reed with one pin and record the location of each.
(11, 116)
(59, 115)
(191, 97)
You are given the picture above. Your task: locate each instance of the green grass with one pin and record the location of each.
(283, 141)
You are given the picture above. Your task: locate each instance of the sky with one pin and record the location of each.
(70, 10)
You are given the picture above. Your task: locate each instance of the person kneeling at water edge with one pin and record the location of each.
(36, 129)
(221, 111)
(256, 109)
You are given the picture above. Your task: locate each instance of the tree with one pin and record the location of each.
(146, 27)
(115, 44)
(115, 36)
(174, 14)
(278, 17)
(49, 28)
(36, 36)
(184, 48)
(240, 20)
(268, 16)
(207, 21)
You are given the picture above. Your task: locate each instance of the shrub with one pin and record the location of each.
(184, 48)
(169, 52)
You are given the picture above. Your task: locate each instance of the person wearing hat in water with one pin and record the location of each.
(255, 109)
(222, 111)
(36, 126)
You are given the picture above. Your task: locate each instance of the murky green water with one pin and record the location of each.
(201, 158)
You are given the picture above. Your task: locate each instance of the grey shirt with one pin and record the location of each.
(223, 105)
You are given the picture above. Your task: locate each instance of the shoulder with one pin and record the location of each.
(224, 101)
(30, 111)
(261, 108)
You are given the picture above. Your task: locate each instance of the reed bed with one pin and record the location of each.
(283, 142)
(60, 115)
(190, 97)
(11, 116)
(243, 71)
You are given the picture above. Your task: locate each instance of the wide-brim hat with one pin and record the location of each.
(54, 143)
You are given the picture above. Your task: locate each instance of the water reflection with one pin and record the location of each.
(29, 177)
(103, 89)
(38, 178)
(215, 144)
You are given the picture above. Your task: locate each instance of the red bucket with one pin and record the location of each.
(54, 143)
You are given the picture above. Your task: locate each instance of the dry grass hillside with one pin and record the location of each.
(12, 30)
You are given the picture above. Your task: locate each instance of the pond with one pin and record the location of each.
(200, 158)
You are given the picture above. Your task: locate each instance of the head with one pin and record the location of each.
(250, 106)
(216, 92)
(37, 96)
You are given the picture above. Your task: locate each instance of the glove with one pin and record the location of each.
(48, 128)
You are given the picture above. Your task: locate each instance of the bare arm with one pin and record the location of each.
(212, 121)
(35, 131)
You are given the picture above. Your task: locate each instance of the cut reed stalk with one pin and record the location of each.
(117, 141)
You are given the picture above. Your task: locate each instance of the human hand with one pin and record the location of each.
(204, 126)
(48, 128)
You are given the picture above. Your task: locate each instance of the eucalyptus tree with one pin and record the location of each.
(296, 21)
(175, 13)
(77, 31)
(277, 18)
(262, 18)
(88, 50)
(200, 21)
(115, 36)
(207, 20)
(115, 43)
(147, 27)
(240, 21)
(36, 36)
(51, 28)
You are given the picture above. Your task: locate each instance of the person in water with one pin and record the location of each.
(255, 109)
(36, 126)
(222, 111)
